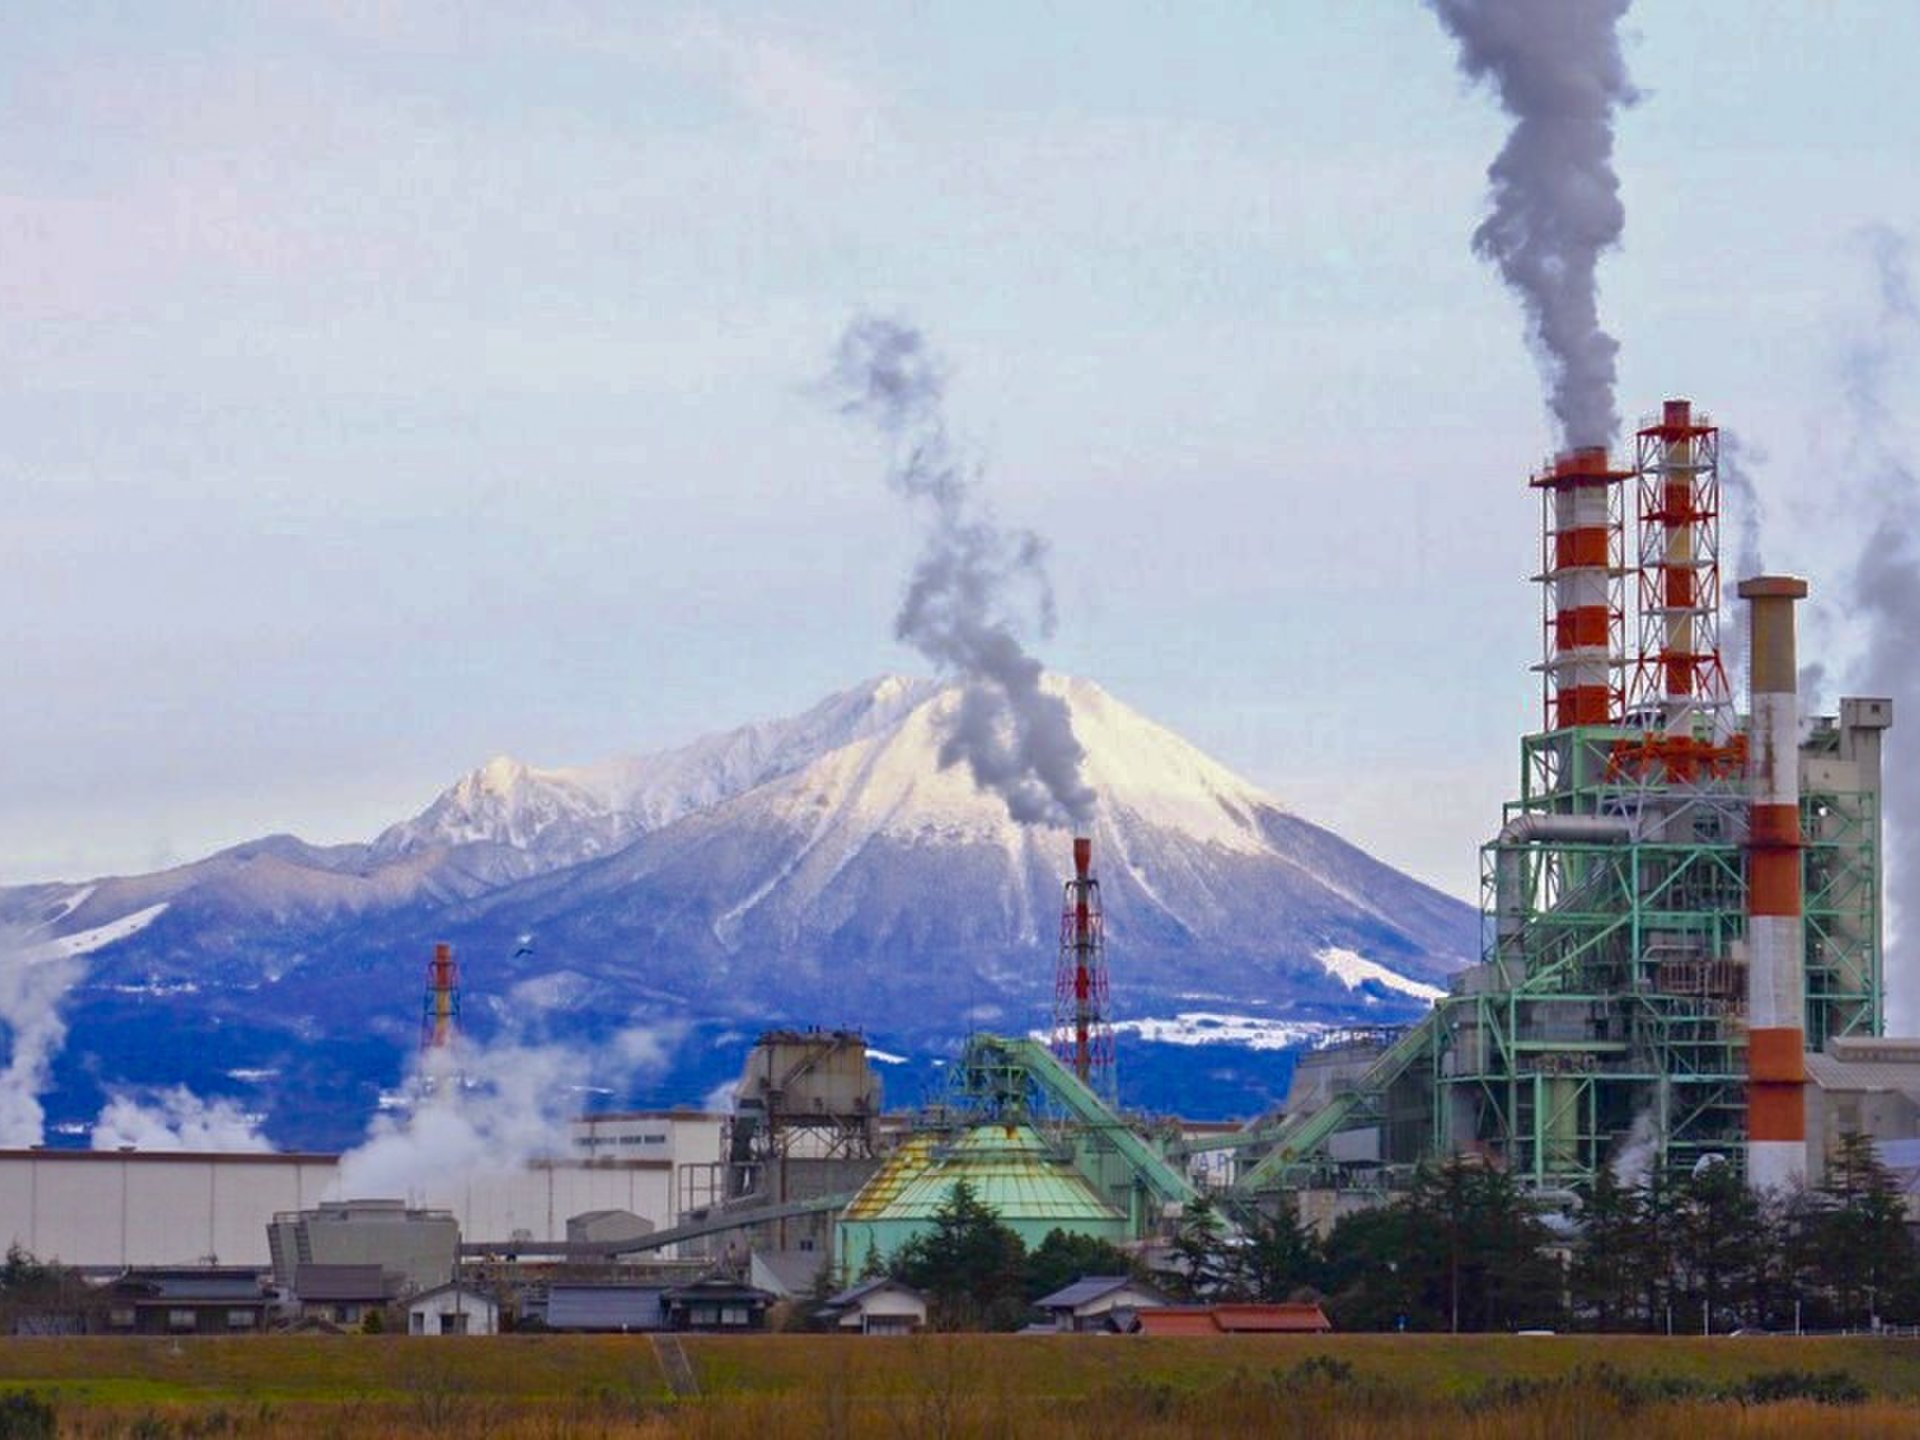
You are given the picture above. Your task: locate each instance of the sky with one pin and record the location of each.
(388, 386)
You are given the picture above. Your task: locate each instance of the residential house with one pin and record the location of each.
(342, 1294)
(882, 1306)
(201, 1300)
(1100, 1303)
(716, 1303)
(453, 1310)
(603, 1309)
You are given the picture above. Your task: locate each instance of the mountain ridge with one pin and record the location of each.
(821, 868)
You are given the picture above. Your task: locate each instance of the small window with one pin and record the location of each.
(242, 1319)
(182, 1320)
(733, 1315)
(121, 1317)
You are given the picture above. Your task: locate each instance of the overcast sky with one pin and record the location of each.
(388, 386)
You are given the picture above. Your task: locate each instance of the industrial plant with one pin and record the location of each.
(1683, 966)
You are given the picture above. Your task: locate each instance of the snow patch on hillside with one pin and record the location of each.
(1354, 970)
(85, 942)
(1206, 1027)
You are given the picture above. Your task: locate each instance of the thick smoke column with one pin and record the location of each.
(1017, 740)
(34, 979)
(1557, 68)
(1886, 593)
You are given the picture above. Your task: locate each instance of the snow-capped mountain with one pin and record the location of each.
(567, 815)
(823, 869)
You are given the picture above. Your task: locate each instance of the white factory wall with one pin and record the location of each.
(94, 1208)
(118, 1208)
(536, 1203)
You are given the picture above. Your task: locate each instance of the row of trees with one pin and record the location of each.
(1467, 1249)
(978, 1274)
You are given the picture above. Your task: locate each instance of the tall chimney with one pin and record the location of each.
(1082, 1034)
(1776, 932)
(1581, 569)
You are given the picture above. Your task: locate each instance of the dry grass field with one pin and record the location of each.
(775, 1387)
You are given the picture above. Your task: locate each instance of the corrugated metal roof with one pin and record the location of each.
(1012, 1172)
(1832, 1073)
(907, 1163)
(606, 1307)
(1091, 1287)
(340, 1282)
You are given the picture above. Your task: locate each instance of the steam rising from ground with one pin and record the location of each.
(33, 981)
(177, 1119)
(1557, 68)
(489, 1110)
(1886, 591)
(963, 608)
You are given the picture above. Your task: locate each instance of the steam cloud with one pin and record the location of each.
(488, 1110)
(1557, 68)
(177, 1119)
(1886, 588)
(1739, 494)
(961, 607)
(33, 980)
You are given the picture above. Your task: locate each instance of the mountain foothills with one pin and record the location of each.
(650, 914)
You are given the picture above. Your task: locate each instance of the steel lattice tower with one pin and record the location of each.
(1082, 1034)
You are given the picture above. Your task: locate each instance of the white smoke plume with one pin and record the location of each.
(962, 608)
(177, 1119)
(1739, 502)
(489, 1110)
(34, 980)
(1632, 1162)
(1885, 592)
(1557, 69)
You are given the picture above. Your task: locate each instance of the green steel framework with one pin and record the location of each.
(1610, 1011)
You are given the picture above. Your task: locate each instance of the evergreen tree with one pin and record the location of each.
(1367, 1275)
(1279, 1258)
(1863, 1253)
(971, 1267)
(1720, 1237)
(1063, 1257)
(1606, 1278)
(1203, 1253)
(1478, 1250)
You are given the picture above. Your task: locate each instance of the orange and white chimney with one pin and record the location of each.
(1776, 932)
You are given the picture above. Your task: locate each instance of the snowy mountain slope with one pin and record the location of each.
(566, 815)
(818, 870)
(874, 873)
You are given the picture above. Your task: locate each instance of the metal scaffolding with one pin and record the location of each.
(1607, 1022)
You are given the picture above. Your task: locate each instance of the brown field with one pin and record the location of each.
(1566, 1388)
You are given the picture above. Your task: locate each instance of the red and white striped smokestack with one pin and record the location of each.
(1776, 933)
(1582, 568)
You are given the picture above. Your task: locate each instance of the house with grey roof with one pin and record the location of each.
(1099, 1303)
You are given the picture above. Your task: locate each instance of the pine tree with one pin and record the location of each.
(1280, 1257)
(1864, 1257)
(1606, 1281)
(971, 1267)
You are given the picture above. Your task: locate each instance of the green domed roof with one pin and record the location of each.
(1011, 1169)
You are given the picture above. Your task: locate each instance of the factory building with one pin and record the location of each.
(107, 1210)
(1683, 903)
(416, 1248)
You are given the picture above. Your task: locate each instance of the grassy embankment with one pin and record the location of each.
(1561, 1388)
